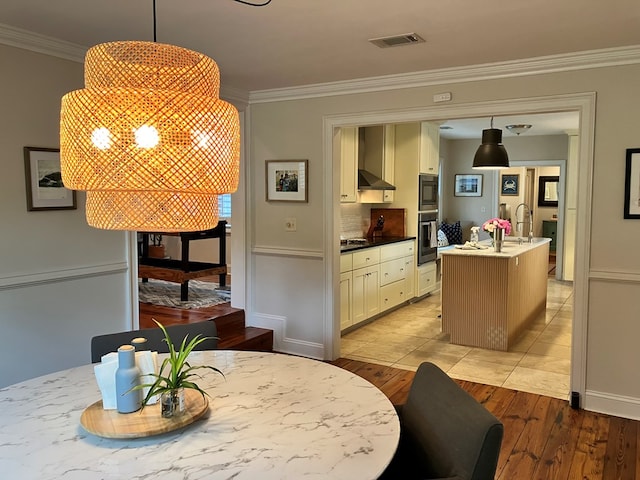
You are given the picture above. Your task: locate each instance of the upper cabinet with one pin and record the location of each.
(429, 148)
(349, 164)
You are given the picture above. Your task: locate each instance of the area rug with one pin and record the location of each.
(167, 294)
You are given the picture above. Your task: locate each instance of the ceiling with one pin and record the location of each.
(302, 42)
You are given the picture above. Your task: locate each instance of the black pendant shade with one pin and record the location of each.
(491, 154)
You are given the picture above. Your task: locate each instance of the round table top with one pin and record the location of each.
(274, 416)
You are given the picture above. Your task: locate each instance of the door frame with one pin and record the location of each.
(582, 103)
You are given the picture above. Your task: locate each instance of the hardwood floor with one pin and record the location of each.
(544, 437)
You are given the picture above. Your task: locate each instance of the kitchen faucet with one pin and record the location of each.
(518, 228)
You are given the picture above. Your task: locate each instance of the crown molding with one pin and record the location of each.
(16, 37)
(515, 68)
(608, 57)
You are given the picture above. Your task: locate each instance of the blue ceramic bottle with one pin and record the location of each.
(127, 377)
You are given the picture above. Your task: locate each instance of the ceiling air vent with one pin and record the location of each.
(397, 40)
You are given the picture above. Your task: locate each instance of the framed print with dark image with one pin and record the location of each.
(632, 184)
(43, 177)
(468, 186)
(286, 180)
(510, 184)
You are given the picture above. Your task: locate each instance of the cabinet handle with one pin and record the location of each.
(402, 269)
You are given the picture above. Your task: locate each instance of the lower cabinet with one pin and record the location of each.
(375, 280)
(426, 278)
(346, 300)
(410, 277)
(366, 293)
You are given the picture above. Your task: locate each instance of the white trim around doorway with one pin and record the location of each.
(583, 103)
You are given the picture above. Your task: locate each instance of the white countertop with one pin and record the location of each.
(274, 417)
(509, 248)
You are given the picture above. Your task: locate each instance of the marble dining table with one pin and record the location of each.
(272, 416)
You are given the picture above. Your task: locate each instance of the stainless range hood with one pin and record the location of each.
(371, 159)
(369, 181)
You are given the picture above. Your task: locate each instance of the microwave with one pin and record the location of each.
(427, 193)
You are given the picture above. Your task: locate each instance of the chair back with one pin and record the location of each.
(449, 434)
(103, 344)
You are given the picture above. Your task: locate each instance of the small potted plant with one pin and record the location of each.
(156, 249)
(170, 386)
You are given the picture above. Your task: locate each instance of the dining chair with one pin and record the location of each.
(444, 432)
(103, 344)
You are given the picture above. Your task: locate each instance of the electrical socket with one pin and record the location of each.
(290, 224)
(483, 209)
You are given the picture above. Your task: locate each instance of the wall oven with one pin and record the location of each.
(427, 193)
(427, 237)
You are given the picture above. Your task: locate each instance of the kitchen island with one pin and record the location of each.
(489, 297)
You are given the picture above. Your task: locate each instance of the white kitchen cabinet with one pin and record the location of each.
(346, 300)
(396, 274)
(375, 279)
(349, 164)
(426, 278)
(392, 295)
(346, 290)
(429, 148)
(410, 277)
(366, 293)
(366, 257)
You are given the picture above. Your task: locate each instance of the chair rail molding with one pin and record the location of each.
(21, 280)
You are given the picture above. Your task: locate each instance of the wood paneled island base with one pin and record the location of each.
(488, 298)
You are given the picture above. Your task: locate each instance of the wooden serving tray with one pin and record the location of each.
(143, 423)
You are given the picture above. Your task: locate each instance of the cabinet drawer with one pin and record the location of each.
(346, 262)
(366, 257)
(392, 295)
(392, 271)
(396, 250)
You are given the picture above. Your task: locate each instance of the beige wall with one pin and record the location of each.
(293, 129)
(61, 282)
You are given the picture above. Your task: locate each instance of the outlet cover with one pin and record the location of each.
(290, 224)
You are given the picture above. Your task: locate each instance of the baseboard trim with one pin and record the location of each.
(284, 344)
(611, 404)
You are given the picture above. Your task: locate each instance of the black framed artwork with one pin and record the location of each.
(632, 184)
(510, 184)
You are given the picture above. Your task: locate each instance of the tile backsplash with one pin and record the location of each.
(354, 220)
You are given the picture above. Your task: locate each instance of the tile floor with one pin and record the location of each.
(539, 362)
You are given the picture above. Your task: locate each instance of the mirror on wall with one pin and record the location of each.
(548, 191)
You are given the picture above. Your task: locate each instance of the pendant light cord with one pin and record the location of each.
(154, 22)
(263, 4)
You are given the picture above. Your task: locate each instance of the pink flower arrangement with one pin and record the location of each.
(493, 223)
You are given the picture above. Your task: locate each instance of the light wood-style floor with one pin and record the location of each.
(544, 438)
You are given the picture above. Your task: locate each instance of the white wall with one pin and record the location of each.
(61, 282)
(293, 129)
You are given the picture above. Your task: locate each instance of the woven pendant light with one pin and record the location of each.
(149, 139)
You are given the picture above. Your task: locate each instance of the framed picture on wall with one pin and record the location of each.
(43, 177)
(632, 184)
(286, 180)
(468, 186)
(510, 184)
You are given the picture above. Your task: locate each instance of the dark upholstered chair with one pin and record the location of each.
(444, 432)
(103, 344)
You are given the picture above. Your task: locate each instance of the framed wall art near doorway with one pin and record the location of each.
(510, 184)
(286, 180)
(632, 184)
(468, 185)
(43, 177)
